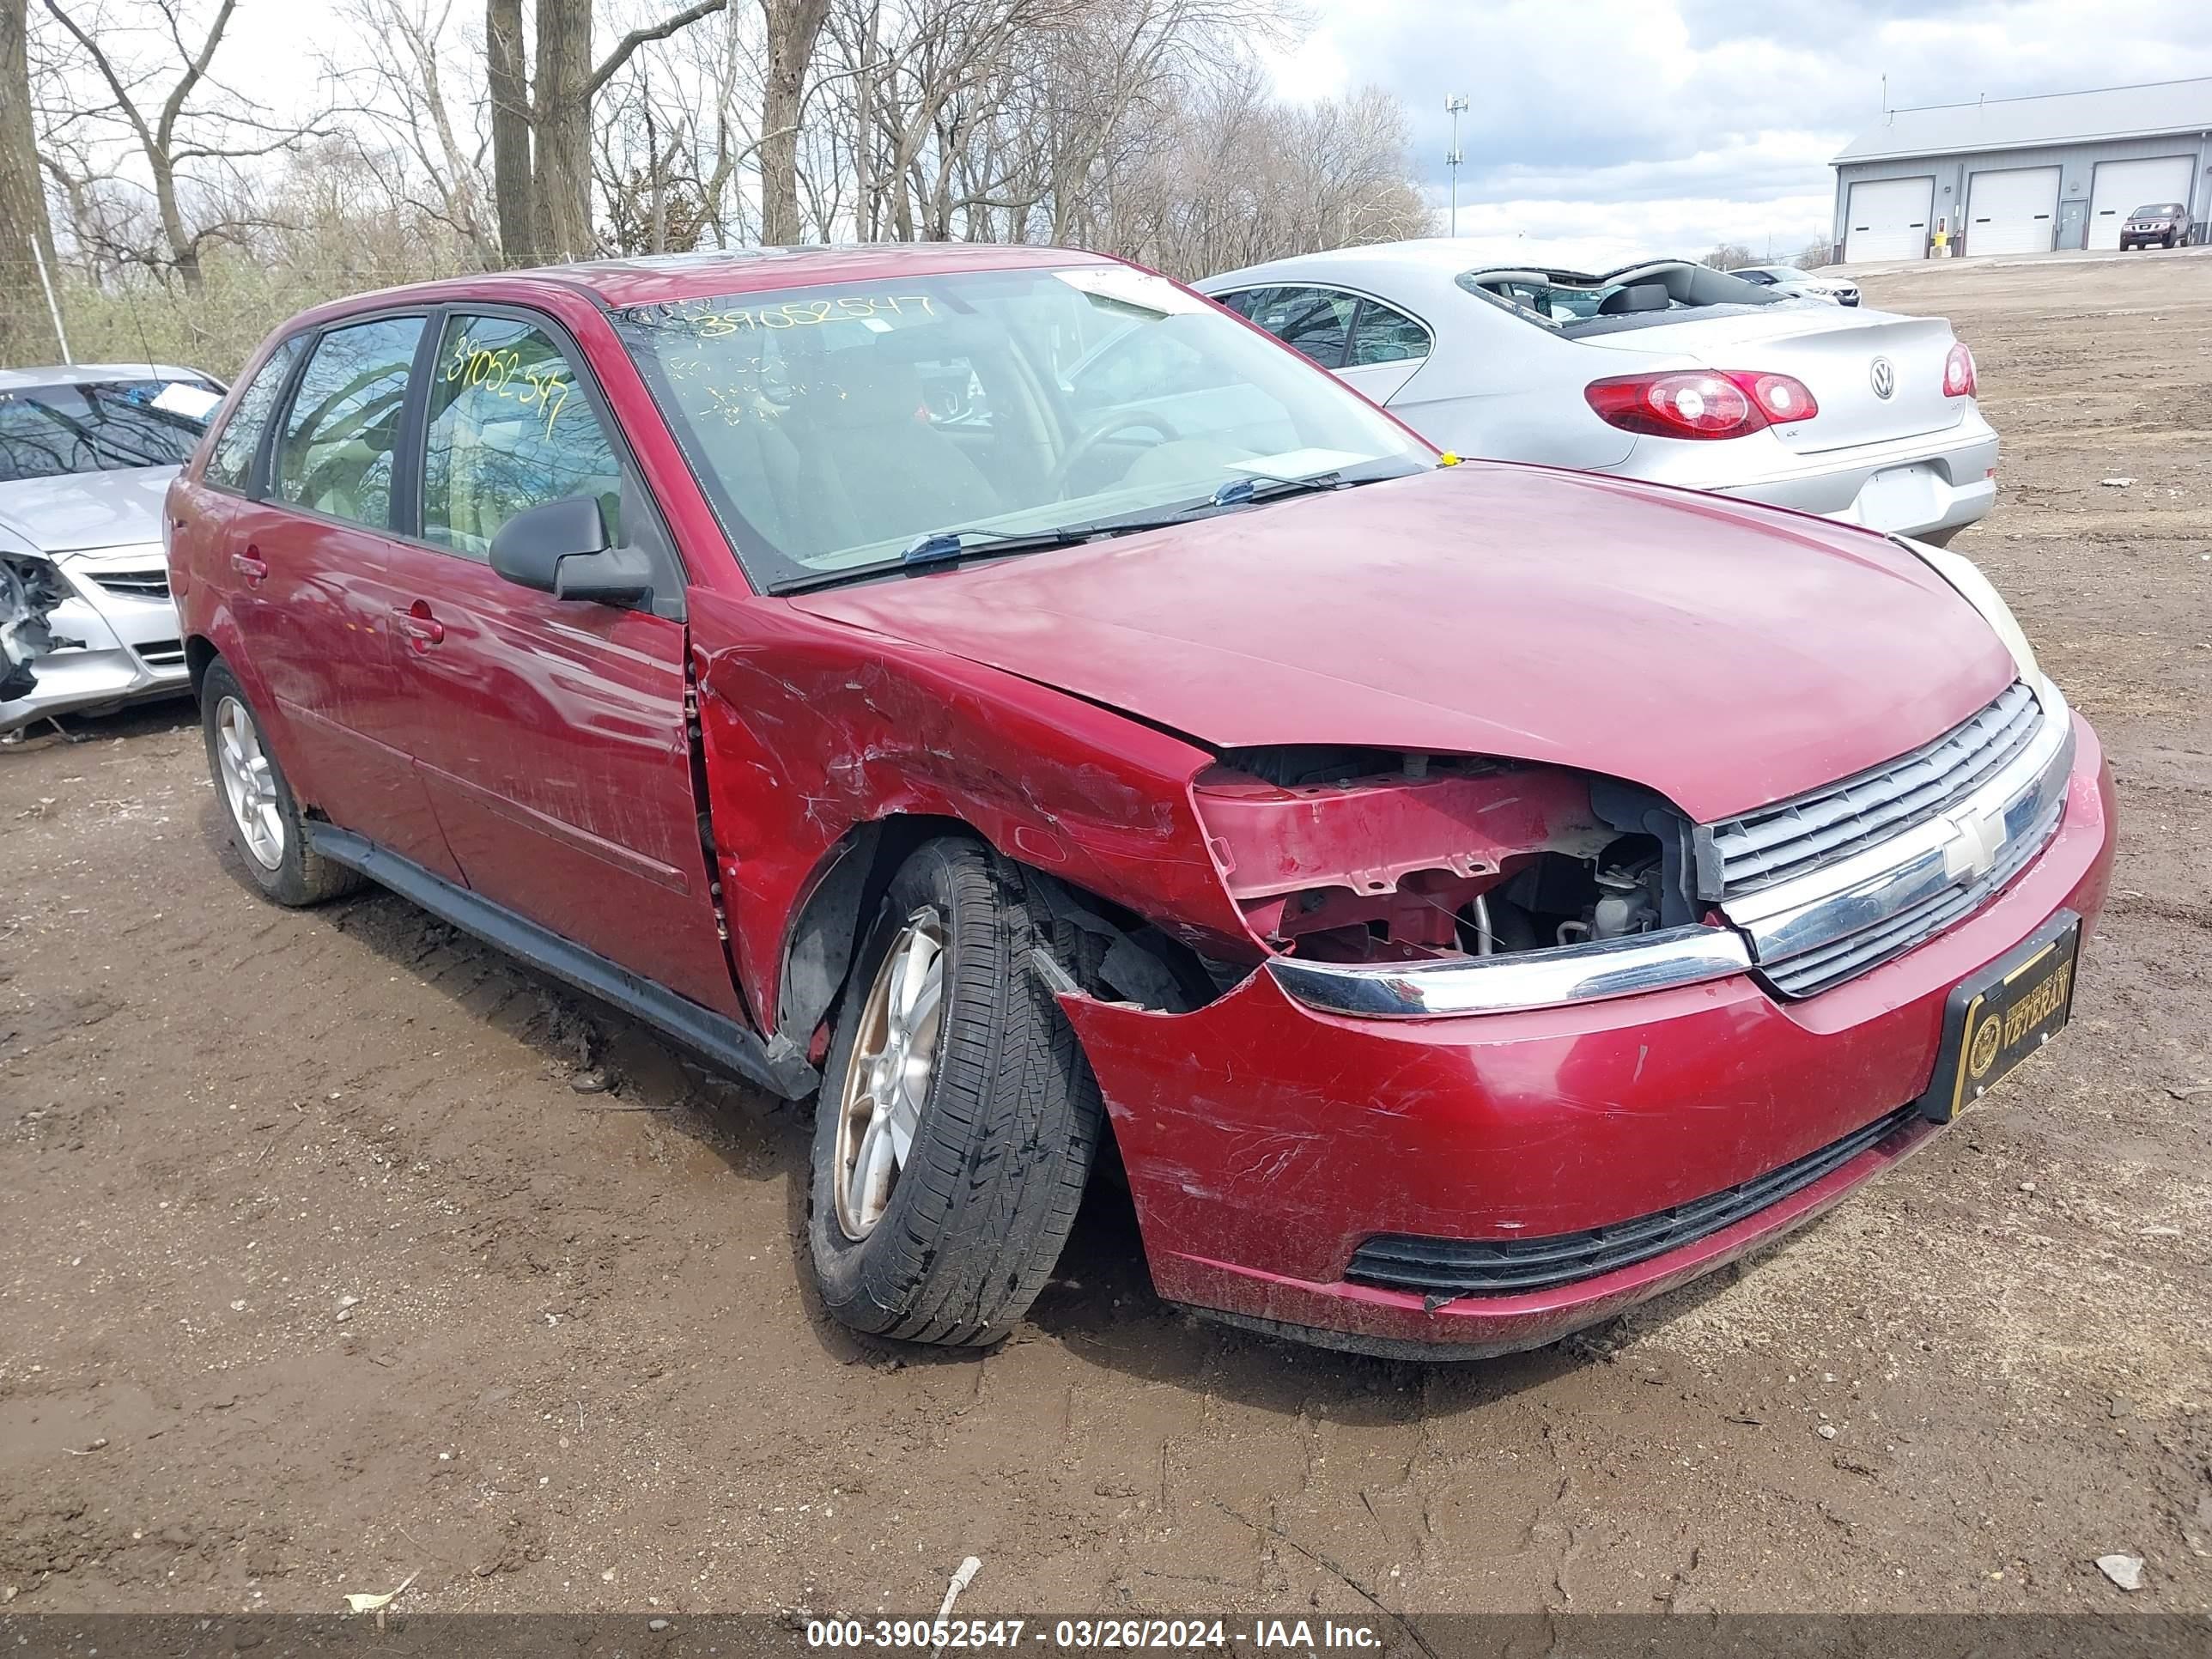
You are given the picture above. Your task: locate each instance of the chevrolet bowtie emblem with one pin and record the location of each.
(1972, 852)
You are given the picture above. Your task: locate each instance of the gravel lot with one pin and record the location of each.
(319, 1272)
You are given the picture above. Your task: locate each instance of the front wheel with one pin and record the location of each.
(958, 1118)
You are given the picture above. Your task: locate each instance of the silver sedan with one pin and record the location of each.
(1667, 371)
(86, 457)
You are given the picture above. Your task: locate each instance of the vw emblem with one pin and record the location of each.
(1884, 376)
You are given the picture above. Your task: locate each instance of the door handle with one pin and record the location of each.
(250, 564)
(423, 630)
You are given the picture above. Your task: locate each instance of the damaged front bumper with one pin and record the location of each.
(1274, 1147)
(86, 633)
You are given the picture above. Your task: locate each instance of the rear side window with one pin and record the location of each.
(509, 429)
(231, 459)
(1385, 336)
(336, 455)
(1315, 320)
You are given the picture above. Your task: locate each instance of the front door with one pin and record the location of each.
(551, 735)
(309, 553)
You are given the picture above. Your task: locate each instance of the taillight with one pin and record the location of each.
(1959, 372)
(1701, 403)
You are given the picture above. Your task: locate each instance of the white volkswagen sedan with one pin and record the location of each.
(1667, 371)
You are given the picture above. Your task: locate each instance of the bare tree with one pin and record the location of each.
(410, 71)
(655, 200)
(1730, 256)
(172, 138)
(542, 122)
(506, 78)
(27, 236)
(792, 28)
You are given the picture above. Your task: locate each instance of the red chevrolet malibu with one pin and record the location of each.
(1012, 701)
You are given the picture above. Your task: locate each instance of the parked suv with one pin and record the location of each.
(1007, 698)
(1815, 284)
(2155, 224)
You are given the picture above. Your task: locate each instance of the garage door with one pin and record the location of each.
(2123, 185)
(1888, 220)
(2011, 211)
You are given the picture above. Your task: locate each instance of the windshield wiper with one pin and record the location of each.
(935, 545)
(942, 547)
(945, 547)
(1247, 488)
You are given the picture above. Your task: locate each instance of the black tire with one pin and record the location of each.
(300, 875)
(1008, 1125)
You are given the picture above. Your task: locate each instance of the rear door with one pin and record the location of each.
(552, 736)
(308, 551)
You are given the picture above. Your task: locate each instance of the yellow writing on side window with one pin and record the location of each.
(543, 386)
(810, 314)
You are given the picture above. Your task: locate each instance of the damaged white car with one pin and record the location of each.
(1665, 371)
(87, 623)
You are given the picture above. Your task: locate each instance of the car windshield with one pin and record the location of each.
(101, 426)
(837, 427)
(2158, 210)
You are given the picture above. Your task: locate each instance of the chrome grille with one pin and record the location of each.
(1787, 839)
(162, 653)
(1815, 970)
(135, 584)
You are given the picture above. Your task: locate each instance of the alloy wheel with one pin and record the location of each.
(249, 783)
(887, 1080)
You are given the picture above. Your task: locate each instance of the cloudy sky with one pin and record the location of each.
(1602, 131)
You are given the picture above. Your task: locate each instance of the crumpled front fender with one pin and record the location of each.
(812, 727)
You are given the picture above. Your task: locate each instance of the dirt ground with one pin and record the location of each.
(319, 1271)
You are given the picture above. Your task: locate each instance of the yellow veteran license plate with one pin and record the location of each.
(2003, 1015)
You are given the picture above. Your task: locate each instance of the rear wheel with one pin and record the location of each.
(265, 824)
(958, 1118)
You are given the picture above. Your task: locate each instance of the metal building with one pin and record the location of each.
(2023, 175)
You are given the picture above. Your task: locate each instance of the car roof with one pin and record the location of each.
(664, 279)
(25, 380)
(1428, 253)
(1428, 256)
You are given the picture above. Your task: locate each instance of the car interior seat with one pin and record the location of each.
(873, 467)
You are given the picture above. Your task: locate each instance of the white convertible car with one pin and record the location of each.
(1667, 371)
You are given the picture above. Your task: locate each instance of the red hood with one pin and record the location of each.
(1724, 654)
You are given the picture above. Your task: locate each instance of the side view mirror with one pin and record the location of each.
(561, 548)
